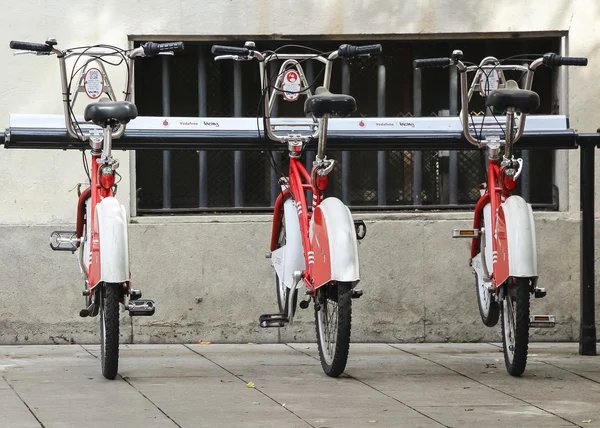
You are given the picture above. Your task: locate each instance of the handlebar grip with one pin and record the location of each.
(349, 51)
(432, 62)
(229, 50)
(153, 49)
(28, 46)
(554, 60)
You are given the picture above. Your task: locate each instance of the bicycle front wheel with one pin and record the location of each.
(515, 325)
(109, 329)
(333, 318)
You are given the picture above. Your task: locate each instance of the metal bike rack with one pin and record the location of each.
(381, 133)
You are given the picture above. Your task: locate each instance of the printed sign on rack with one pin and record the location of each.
(489, 81)
(93, 83)
(291, 85)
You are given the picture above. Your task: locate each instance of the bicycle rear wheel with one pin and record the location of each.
(109, 329)
(515, 325)
(333, 318)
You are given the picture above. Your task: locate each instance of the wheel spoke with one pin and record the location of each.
(333, 327)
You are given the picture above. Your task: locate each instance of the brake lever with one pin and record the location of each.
(233, 57)
(30, 53)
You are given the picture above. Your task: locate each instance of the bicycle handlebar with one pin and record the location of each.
(229, 50)
(553, 60)
(492, 63)
(153, 49)
(28, 46)
(148, 49)
(432, 62)
(349, 51)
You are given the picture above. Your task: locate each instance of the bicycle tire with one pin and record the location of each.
(333, 319)
(515, 337)
(109, 329)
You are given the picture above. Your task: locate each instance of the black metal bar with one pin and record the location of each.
(417, 156)
(354, 208)
(525, 177)
(345, 153)
(587, 325)
(381, 155)
(166, 110)
(202, 112)
(238, 156)
(309, 72)
(274, 185)
(453, 159)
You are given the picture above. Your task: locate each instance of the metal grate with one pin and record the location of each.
(384, 86)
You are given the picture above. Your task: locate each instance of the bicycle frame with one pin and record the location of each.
(496, 193)
(107, 259)
(501, 175)
(317, 271)
(297, 191)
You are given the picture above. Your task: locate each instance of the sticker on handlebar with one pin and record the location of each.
(93, 83)
(489, 81)
(291, 85)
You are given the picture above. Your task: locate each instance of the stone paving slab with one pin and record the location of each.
(282, 385)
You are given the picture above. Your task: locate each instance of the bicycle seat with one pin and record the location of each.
(521, 99)
(324, 102)
(107, 113)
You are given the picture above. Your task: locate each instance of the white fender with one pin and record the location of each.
(520, 235)
(86, 244)
(114, 240)
(290, 257)
(487, 224)
(341, 234)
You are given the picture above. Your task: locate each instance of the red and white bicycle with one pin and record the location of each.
(503, 249)
(101, 230)
(312, 245)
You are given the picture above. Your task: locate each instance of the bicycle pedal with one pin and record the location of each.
(356, 293)
(62, 240)
(361, 229)
(135, 294)
(539, 292)
(141, 308)
(273, 320)
(465, 233)
(542, 321)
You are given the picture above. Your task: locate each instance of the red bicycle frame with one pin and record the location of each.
(101, 186)
(499, 187)
(296, 191)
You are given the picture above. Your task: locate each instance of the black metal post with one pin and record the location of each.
(166, 111)
(381, 155)
(417, 155)
(238, 156)
(202, 112)
(587, 326)
(345, 153)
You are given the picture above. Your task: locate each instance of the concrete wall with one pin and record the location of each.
(417, 283)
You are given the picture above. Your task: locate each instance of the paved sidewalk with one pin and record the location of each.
(254, 385)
